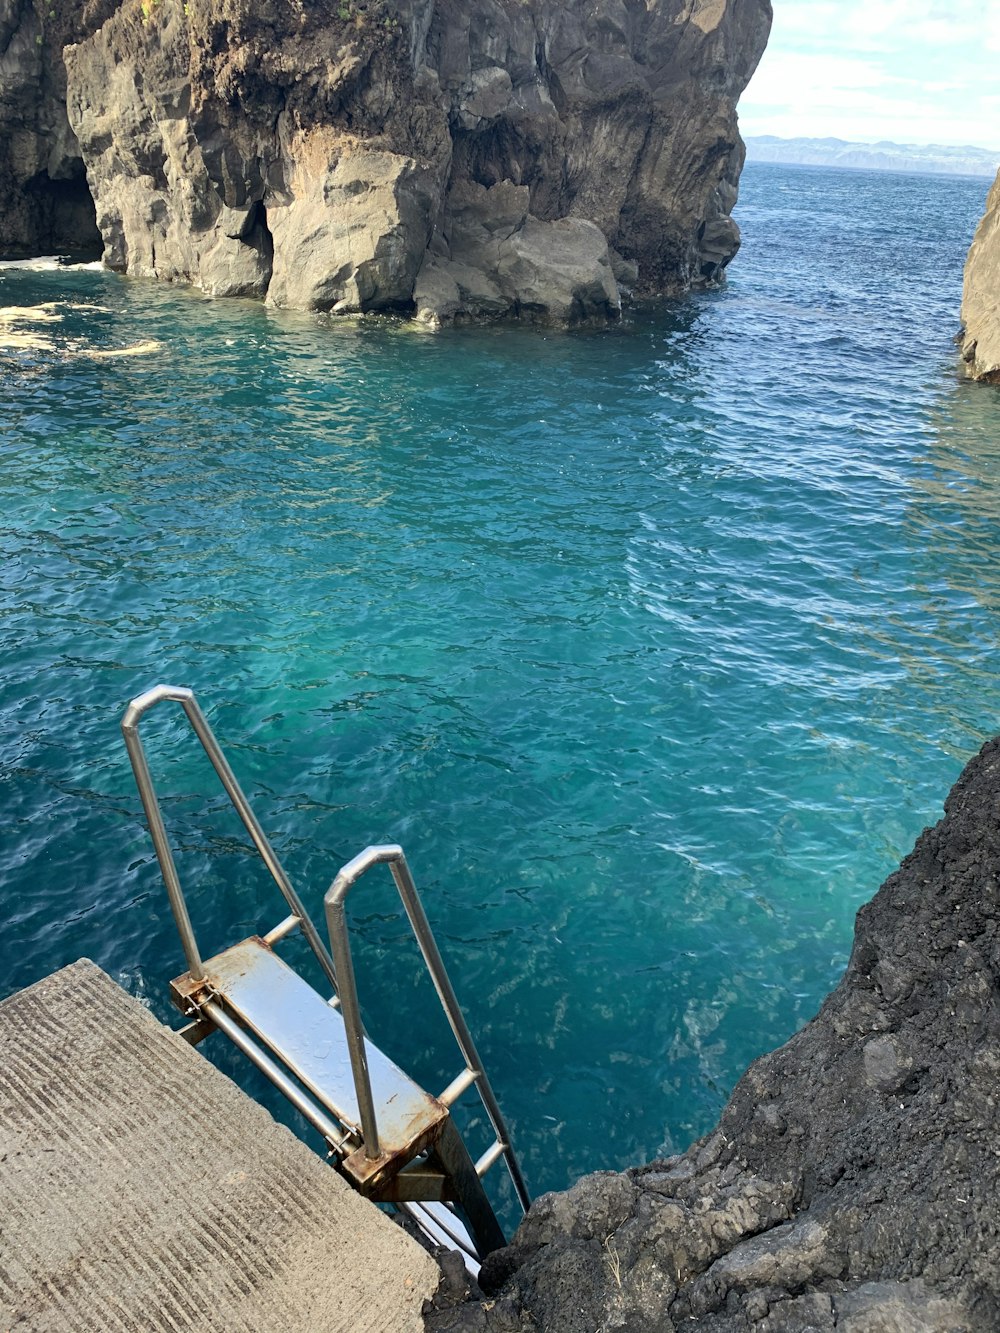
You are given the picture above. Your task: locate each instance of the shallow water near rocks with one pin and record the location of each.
(655, 648)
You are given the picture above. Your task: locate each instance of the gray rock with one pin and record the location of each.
(626, 271)
(851, 1183)
(353, 229)
(980, 337)
(898, 1307)
(488, 94)
(436, 293)
(446, 289)
(477, 220)
(559, 272)
(887, 1067)
(45, 205)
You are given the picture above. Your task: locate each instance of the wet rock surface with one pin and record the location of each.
(980, 337)
(456, 158)
(851, 1183)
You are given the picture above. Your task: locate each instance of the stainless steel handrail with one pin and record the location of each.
(336, 919)
(139, 706)
(340, 965)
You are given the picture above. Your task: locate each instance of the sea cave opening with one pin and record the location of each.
(64, 216)
(257, 234)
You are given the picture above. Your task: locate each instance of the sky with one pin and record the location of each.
(912, 71)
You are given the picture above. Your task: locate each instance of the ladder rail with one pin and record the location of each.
(336, 918)
(133, 715)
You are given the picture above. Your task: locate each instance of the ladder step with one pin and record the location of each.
(282, 929)
(457, 1086)
(490, 1156)
(314, 1050)
(296, 1025)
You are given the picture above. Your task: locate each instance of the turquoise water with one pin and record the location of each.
(655, 647)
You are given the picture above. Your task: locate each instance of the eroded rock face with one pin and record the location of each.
(981, 295)
(851, 1183)
(460, 157)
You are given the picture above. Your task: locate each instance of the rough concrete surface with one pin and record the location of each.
(852, 1181)
(140, 1189)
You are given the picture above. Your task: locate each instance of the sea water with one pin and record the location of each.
(655, 647)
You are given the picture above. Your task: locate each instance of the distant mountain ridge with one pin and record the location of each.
(938, 159)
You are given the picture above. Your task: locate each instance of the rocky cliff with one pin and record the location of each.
(459, 157)
(981, 295)
(851, 1183)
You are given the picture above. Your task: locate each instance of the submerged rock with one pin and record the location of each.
(851, 1183)
(457, 157)
(980, 336)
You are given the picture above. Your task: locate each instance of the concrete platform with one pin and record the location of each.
(140, 1189)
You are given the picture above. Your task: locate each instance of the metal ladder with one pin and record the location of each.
(388, 1137)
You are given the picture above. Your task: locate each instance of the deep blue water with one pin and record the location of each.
(655, 648)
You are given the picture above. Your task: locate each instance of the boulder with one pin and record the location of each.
(351, 233)
(505, 261)
(448, 289)
(559, 272)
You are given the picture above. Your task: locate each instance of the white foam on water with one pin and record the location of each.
(137, 349)
(45, 313)
(52, 263)
(24, 342)
(13, 336)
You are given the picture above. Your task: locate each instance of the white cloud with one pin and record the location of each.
(917, 71)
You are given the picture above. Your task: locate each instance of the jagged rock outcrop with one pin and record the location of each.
(456, 157)
(980, 336)
(851, 1183)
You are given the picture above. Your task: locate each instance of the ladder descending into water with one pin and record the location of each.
(388, 1137)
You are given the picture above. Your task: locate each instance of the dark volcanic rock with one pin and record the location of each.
(459, 157)
(852, 1181)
